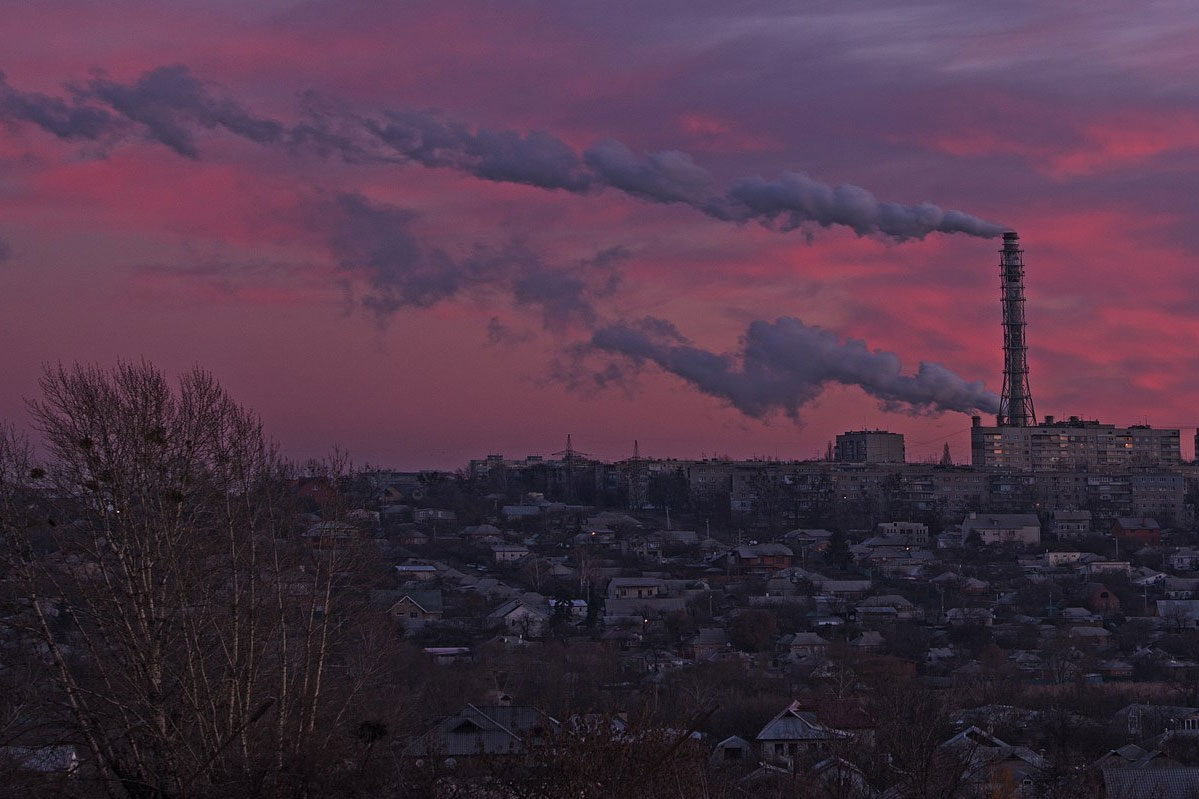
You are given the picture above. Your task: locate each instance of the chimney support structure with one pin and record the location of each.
(1015, 404)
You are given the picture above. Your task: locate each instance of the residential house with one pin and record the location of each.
(1099, 599)
(910, 533)
(991, 765)
(842, 589)
(636, 588)
(732, 750)
(485, 731)
(1058, 560)
(1179, 614)
(964, 617)
(1093, 568)
(795, 731)
(886, 607)
(760, 558)
(417, 608)
(1094, 637)
(869, 641)
(509, 553)
(416, 571)
(519, 618)
(434, 516)
(1137, 530)
(1184, 560)
(801, 646)
(708, 643)
(1070, 524)
(1181, 587)
(1003, 528)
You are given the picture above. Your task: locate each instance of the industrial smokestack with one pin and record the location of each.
(1015, 403)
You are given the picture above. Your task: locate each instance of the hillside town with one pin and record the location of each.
(857, 626)
(797, 620)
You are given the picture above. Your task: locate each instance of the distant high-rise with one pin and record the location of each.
(1015, 404)
(869, 446)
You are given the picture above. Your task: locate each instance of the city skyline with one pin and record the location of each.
(429, 232)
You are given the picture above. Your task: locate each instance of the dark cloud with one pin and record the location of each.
(785, 364)
(499, 333)
(375, 246)
(66, 120)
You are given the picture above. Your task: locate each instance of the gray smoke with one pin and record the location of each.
(668, 177)
(785, 364)
(534, 159)
(168, 104)
(797, 199)
(375, 243)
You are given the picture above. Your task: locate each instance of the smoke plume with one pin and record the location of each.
(168, 104)
(785, 364)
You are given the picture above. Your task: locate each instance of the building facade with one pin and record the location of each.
(869, 446)
(1073, 444)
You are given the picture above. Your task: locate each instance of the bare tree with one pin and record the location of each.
(199, 617)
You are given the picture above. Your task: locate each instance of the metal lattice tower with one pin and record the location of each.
(1015, 405)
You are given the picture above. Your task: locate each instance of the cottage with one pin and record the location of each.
(1100, 600)
(1184, 560)
(806, 645)
(993, 764)
(1070, 524)
(964, 617)
(509, 553)
(910, 533)
(733, 749)
(485, 731)
(417, 608)
(793, 732)
(708, 643)
(1003, 528)
(416, 571)
(1137, 530)
(517, 617)
(760, 558)
(636, 588)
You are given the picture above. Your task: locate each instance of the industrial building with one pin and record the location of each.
(869, 446)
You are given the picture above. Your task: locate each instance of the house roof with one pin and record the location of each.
(711, 636)
(510, 607)
(886, 600)
(483, 731)
(1137, 523)
(633, 582)
(428, 601)
(1002, 520)
(869, 638)
(794, 724)
(1151, 783)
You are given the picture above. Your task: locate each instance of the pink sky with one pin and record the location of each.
(281, 268)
